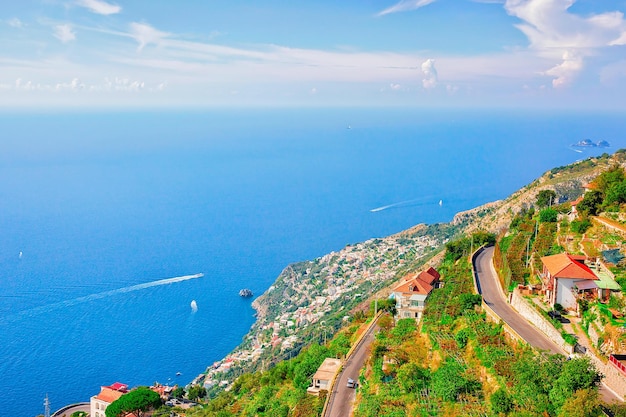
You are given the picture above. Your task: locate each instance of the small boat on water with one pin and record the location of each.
(245, 293)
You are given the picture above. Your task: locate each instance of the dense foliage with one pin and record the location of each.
(137, 402)
(465, 366)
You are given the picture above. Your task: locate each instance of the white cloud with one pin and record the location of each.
(430, 74)
(99, 6)
(15, 23)
(313, 91)
(405, 6)
(64, 33)
(556, 33)
(395, 87)
(565, 72)
(145, 34)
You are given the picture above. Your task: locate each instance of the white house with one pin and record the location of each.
(100, 402)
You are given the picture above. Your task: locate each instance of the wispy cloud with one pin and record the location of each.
(15, 23)
(64, 33)
(99, 6)
(405, 6)
(145, 34)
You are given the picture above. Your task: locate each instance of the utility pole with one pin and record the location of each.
(46, 404)
(375, 306)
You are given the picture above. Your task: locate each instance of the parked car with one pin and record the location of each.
(351, 383)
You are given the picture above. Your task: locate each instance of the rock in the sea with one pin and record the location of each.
(245, 293)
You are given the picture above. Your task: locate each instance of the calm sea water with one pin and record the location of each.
(92, 205)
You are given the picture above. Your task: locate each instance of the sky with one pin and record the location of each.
(200, 53)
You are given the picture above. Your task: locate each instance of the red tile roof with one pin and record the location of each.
(564, 266)
(109, 395)
(421, 283)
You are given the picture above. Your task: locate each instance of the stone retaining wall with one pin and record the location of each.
(614, 379)
(526, 310)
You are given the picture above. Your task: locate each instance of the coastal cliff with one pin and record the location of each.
(310, 300)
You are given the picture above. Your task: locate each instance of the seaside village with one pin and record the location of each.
(411, 294)
(565, 284)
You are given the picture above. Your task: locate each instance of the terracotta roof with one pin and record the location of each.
(432, 271)
(564, 266)
(109, 395)
(418, 283)
(414, 286)
(427, 277)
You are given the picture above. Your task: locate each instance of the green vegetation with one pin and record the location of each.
(137, 402)
(464, 245)
(455, 362)
(281, 390)
(545, 198)
(461, 364)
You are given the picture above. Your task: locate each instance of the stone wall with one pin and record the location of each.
(614, 379)
(593, 334)
(526, 310)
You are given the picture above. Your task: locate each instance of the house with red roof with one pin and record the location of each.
(566, 278)
(412, 291)
(108, 394)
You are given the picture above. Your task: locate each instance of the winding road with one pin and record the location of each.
(489, 288)
(342, 398)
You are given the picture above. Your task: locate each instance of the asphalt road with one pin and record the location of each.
(342, 397)
(492, 294)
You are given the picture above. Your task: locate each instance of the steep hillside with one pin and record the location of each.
(568, 182)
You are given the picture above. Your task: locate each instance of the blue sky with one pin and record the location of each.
(196, 53)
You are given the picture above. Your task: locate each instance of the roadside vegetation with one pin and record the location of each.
(455, 362)
(458, 363)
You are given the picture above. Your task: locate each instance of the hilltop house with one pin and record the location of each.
(322, 379)
(99, 403)
(412, 291)
(566, 278)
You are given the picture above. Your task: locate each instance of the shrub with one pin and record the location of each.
(548, 215)
(501, 402)
(580, 226)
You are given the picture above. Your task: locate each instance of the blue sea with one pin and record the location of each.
(97, 208)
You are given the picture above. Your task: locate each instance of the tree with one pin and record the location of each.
(584, 403)
(609, 177)
(178, 392)
(546, 198)
(591, 203)
(615, 194)
(196, 391)
(548, 215)
(136, 402)
(576, 374)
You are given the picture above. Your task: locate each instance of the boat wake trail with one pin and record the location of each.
(400, 204)
(97, 296)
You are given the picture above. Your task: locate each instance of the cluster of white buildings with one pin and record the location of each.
(321, 288)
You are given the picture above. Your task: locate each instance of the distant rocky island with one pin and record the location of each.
(588, 143)
(245, 293)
